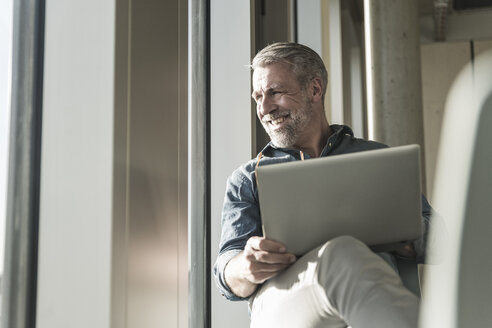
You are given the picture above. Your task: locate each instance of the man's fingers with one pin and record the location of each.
(263, 244)
(273, 258)
(260, 272)
(261, 277)
(264, 267)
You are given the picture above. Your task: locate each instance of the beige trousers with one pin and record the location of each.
(341, 283)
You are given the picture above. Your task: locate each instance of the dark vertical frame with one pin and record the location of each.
(19, 284)
(294, 14)
(199, 164)
(270, 23)
(253, 13)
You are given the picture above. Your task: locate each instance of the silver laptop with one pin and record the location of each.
(373, 195)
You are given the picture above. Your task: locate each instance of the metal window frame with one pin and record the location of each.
(20, 266)
(199, 313)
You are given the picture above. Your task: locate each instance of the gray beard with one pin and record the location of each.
(288, 135)
(284, 138)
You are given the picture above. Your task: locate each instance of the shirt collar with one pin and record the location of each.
(338, 133)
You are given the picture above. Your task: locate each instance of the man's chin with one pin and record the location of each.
(281, 142)
(281, 145)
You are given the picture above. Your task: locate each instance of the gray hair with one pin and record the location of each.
(306, 63)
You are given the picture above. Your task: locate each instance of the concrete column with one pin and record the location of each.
(394, 87)
(394, 96)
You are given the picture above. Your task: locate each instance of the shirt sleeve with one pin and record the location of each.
(240, 221)
(219, 268)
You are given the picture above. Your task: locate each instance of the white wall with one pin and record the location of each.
(230, 126)
(352, 63)
(441, 63)
(309, 24)
(335, 66)
(76, 168)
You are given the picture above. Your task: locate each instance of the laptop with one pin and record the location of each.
(372, 195)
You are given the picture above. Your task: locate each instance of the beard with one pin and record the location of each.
(288, 134)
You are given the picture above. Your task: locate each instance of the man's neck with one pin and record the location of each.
(315, 142)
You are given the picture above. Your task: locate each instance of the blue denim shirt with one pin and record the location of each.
(241, 214)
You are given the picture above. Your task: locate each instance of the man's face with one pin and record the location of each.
(282, 105)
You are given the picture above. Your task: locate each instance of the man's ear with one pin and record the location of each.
(316, 89)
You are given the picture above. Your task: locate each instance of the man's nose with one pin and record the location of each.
(266, 106)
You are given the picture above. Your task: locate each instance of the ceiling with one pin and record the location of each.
(426, 6)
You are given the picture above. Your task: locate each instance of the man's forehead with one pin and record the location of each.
(272, 76)
(266, 85)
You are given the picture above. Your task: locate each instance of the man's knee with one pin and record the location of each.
(341, 247)
(344, 241)
(342, 257)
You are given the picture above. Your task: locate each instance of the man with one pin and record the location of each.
(337, 284)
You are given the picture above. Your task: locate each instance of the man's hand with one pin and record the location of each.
(407, 251)
(261, 260)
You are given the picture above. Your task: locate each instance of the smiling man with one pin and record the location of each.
(338, 284)
(285, 108)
